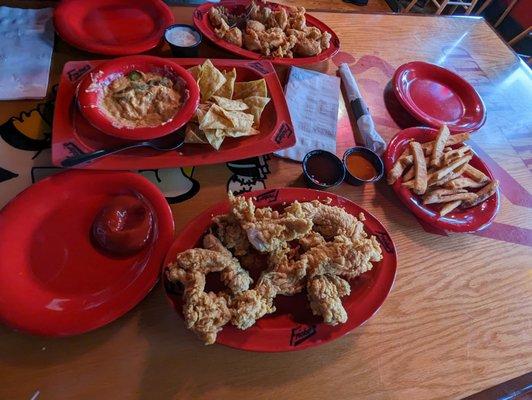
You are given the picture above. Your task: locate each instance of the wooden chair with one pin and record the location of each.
(468, 5)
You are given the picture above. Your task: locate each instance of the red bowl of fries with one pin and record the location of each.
(441, 179)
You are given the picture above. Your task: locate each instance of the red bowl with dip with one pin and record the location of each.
(91, 91)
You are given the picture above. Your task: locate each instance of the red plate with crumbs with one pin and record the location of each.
(459, 220)
(55, 280)
(112, 27)
(292, 326)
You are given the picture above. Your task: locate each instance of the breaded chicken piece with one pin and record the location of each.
(324, 292)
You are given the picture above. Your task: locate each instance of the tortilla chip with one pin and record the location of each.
(230, 105)
(229, 86)
(234, 134)
(215, 137)
(256, 106)
(195, 71)
(200, 112)
(251, 88)
(241, 121)
(217, 118)
(193, 134)
(210, 80)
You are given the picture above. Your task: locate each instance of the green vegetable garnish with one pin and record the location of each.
(134, 76)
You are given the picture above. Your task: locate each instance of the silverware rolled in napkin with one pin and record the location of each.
(372, 139)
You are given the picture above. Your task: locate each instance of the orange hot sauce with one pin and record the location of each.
(360, 167)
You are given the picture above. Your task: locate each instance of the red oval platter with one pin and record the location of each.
(466, 220)
(293, 327)
(54, 280)
(436, 96)
(112, 27)
(202, 23)
(89, 99)
(73, 134)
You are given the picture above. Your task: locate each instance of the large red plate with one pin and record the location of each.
(113, 27)
(293, 327)
(72, 134)
(467, 220)
(201, 21)
(436, 96)
(54, 281)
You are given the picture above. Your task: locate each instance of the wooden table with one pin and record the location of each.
(458, 319)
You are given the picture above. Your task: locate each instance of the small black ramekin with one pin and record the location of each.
(184, 51)
(369, 155)
(340, 169)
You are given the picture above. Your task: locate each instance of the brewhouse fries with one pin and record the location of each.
(437, 152)
(227, 109)
(440, 172)
(420, 168)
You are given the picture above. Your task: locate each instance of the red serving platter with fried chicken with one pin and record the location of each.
(459, 220)
(292, 326)
(72, 134)
(202, 23)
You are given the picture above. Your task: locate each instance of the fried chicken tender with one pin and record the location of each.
(324, 292)
(207, 313)
(280, 33)
(231, 234)
(250, 305)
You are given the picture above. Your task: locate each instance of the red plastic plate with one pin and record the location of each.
(437, 96)
(89, 100)
(73, 134)
(54, 281)
(466, 220)
(292, 326)
(112, 27)
(202, 23)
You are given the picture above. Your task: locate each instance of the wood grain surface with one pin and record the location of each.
(458, 319)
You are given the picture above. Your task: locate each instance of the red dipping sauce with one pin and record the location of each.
(124, 226)
(323, 169)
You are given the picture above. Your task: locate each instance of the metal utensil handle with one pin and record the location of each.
(83, 158)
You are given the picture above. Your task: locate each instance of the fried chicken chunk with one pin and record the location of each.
(324, 292)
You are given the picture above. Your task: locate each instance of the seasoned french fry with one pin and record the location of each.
(439, 144)
(409, 174)
(465, 196)
(463, 182)
(409, 184)
(483, 194)
(435, 195)
(476, 175)
(420, 168)
(396, 171)
(458, 138)
(456, 153)
(448, 207)
(453, 165)
(455, 173)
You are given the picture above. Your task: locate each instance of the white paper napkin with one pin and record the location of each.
(313, 100)
(27, 37)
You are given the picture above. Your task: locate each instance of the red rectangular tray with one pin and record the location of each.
(73, 135)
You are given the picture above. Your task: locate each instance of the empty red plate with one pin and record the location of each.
(437, 96)
(459, 220)
(113, 27)
(292, 326)
(55, 282)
